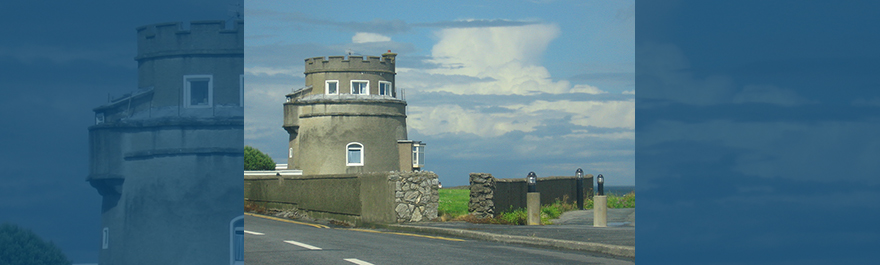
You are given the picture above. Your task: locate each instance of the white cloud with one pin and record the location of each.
(664, 66)
(262, 70)
(603, 114)
(800, 151)
(364, 37)
(861, 102)
(509, 56)
(629, 92)
(588, 89)
(768, 94)
(450, 118)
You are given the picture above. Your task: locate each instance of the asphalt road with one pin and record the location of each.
(273, 242)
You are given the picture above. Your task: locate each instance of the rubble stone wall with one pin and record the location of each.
(416, 195)
(482, 202)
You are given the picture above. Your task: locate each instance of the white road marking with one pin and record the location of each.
(254, 233)
(302, 245)
(359, 262)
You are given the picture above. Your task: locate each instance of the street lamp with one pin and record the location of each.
(532, 181)
(533, 201)
(600, 205)
(580, 188)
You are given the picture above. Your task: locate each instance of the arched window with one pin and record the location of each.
(354, 154)
(236, 241)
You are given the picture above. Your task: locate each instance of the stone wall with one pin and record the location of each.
(482, 186)
(416, 194)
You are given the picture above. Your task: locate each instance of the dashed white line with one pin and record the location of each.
(302, 245)
(254, 233)
(359, 262)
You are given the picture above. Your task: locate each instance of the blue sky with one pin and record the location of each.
(756, 120)
(498, 87)
(757, 124)
(58, 61)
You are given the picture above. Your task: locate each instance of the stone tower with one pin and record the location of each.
(349, 118)
(166, 158)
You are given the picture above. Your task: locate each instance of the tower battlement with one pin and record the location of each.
(176, 39)
(351, 64)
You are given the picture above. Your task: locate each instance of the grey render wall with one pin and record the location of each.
(344, 70)
(511, 193)
(321, 124)
(356, 198)
(324, 126)
(167, 52)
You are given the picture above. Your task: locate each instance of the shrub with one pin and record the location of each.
(514, 217)
(21, 246)
(256, 160)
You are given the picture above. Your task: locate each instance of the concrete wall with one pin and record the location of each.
(507, 194)
(342, 69)
(162, 181)
(325, 126)
(168, 174)
(167, 52)
(356, 198)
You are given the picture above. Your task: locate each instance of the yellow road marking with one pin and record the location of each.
(406, 234)
(286, 220)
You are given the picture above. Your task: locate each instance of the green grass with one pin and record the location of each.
(620, 201)
(453, 206)
(548, 212)
(454, 202)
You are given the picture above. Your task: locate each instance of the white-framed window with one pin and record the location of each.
(241, 90)
(198, 91)
(236, 241)
(289, 152)
(105, 238)
(360, 87)
(418, 155)
(385, 88)
(331, 87)
(354, 154)
(99, 118)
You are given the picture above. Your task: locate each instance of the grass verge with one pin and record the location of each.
(454, 202)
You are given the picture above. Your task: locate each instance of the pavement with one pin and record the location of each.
(572, 231)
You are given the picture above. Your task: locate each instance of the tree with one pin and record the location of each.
(256, 160)
(20, 246)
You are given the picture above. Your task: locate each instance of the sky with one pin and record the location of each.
(756, 119)
(58, 61)
(757, 132)
(498, 87)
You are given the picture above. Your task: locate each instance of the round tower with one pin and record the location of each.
(348, 118)
(166, 158)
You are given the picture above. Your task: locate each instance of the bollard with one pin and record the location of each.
(600, 205)
(580, 188)
(533, 200)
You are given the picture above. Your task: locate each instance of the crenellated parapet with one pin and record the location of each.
(196, 38)
(383, 64)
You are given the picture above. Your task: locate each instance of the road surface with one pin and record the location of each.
(270, 242)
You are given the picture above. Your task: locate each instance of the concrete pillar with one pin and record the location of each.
(600, 211)
(533, 208)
